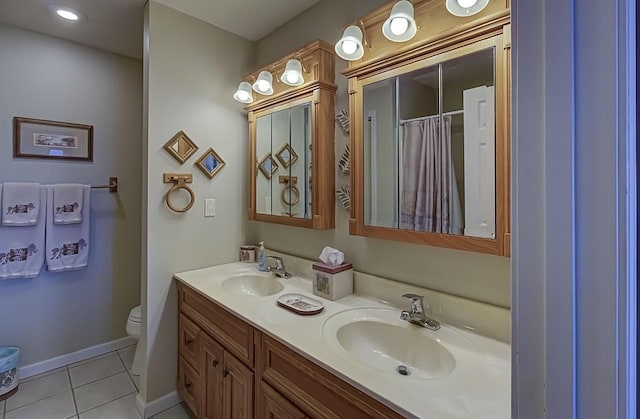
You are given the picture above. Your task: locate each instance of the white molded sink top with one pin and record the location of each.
(252, 285)
(378, 338)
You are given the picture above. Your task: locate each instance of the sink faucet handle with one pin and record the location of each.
(416, 302)
(279, 262)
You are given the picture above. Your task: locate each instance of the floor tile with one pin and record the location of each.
(122, 408)
(106, 390)
(44, 374)
(136, 380)
(95, 369)
(59, 406)
(127, 355)
(38, 389)
(180, 411)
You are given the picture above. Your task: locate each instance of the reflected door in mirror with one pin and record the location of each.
(429, 148)
(283, 147)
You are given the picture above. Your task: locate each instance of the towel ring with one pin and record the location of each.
(294, 190)
(180, 182)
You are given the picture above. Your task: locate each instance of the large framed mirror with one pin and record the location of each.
(292, 145)
(430, 143)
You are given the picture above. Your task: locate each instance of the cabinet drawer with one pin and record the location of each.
(314, 389)
(189, 341)
(234, 334)
(275, 406)
(189, 385)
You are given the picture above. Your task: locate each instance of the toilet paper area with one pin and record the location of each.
(331, 256)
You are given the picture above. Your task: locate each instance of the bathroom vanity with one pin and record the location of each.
(242, 356)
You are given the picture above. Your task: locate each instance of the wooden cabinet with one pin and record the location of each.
(229, 370)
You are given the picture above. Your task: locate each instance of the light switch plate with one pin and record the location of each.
(210, 207)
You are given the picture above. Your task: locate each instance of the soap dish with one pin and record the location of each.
(300, 304)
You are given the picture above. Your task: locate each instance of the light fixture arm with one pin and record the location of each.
(365, 42)
(298, 56)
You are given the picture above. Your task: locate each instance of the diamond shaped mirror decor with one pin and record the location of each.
(181, 147)
(210, 163)
(268, 166)
(287, 156)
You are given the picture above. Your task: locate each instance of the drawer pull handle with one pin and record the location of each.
(214, 363)
(225, 373)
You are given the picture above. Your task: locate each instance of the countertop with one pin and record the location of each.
(479, 386)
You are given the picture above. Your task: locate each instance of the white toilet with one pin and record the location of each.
(134, 326)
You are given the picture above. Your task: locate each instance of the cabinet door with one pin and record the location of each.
(211, 361)
(276, 406)
(189, 382)
(238, 389)
(189, 341)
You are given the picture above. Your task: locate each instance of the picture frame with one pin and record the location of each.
(268, 166)
(181, 147)
(44, 139)
(286, 156)
(210, 163)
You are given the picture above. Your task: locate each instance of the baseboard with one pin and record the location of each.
(62, 360)
(147, 410)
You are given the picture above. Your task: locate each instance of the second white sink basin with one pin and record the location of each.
(252, 285)
(379, 339)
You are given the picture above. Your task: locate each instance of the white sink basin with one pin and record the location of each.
(252, 285)
(378, 338)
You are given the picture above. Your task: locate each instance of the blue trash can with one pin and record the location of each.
(9, 359)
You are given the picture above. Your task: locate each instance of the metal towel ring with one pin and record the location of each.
(180, 182)
(294, 190)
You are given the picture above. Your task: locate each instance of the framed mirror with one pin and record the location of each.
(285, 134)
(430, 146)
(292, 153)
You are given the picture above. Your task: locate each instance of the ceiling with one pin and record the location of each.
(251, 19)
(112, 25)
(117, 25)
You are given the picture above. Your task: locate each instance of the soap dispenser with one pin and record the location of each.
(262, 258)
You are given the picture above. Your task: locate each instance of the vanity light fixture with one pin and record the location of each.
(264, 83)
(292, 75)
(244, 93)
(465, 8)
(350, 46)
(400, 26)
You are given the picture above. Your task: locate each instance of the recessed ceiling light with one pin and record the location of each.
(65, 12)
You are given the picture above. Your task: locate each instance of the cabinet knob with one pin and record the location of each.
(225, 373)
(188, 386)
(214, 363)
(188, 341)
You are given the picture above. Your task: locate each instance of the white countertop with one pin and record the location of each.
(479, 387)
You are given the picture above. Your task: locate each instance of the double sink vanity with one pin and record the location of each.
(243, 356)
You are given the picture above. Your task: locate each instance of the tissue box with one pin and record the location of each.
(332, 282)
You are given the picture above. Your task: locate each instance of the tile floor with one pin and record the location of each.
(98, 388)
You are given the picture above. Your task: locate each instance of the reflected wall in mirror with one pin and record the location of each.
(285, 134)
(429, 148)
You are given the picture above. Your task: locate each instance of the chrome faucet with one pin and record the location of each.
(279, 270)
(416, 315)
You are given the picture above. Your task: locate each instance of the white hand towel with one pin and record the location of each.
(20, 204)
(331, 256)
(67, 245)
(22, 249)
(67, 203)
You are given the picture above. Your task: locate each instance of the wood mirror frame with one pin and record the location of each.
(439, 36)
(318, 89)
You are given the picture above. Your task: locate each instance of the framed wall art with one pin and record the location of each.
(41, 139)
